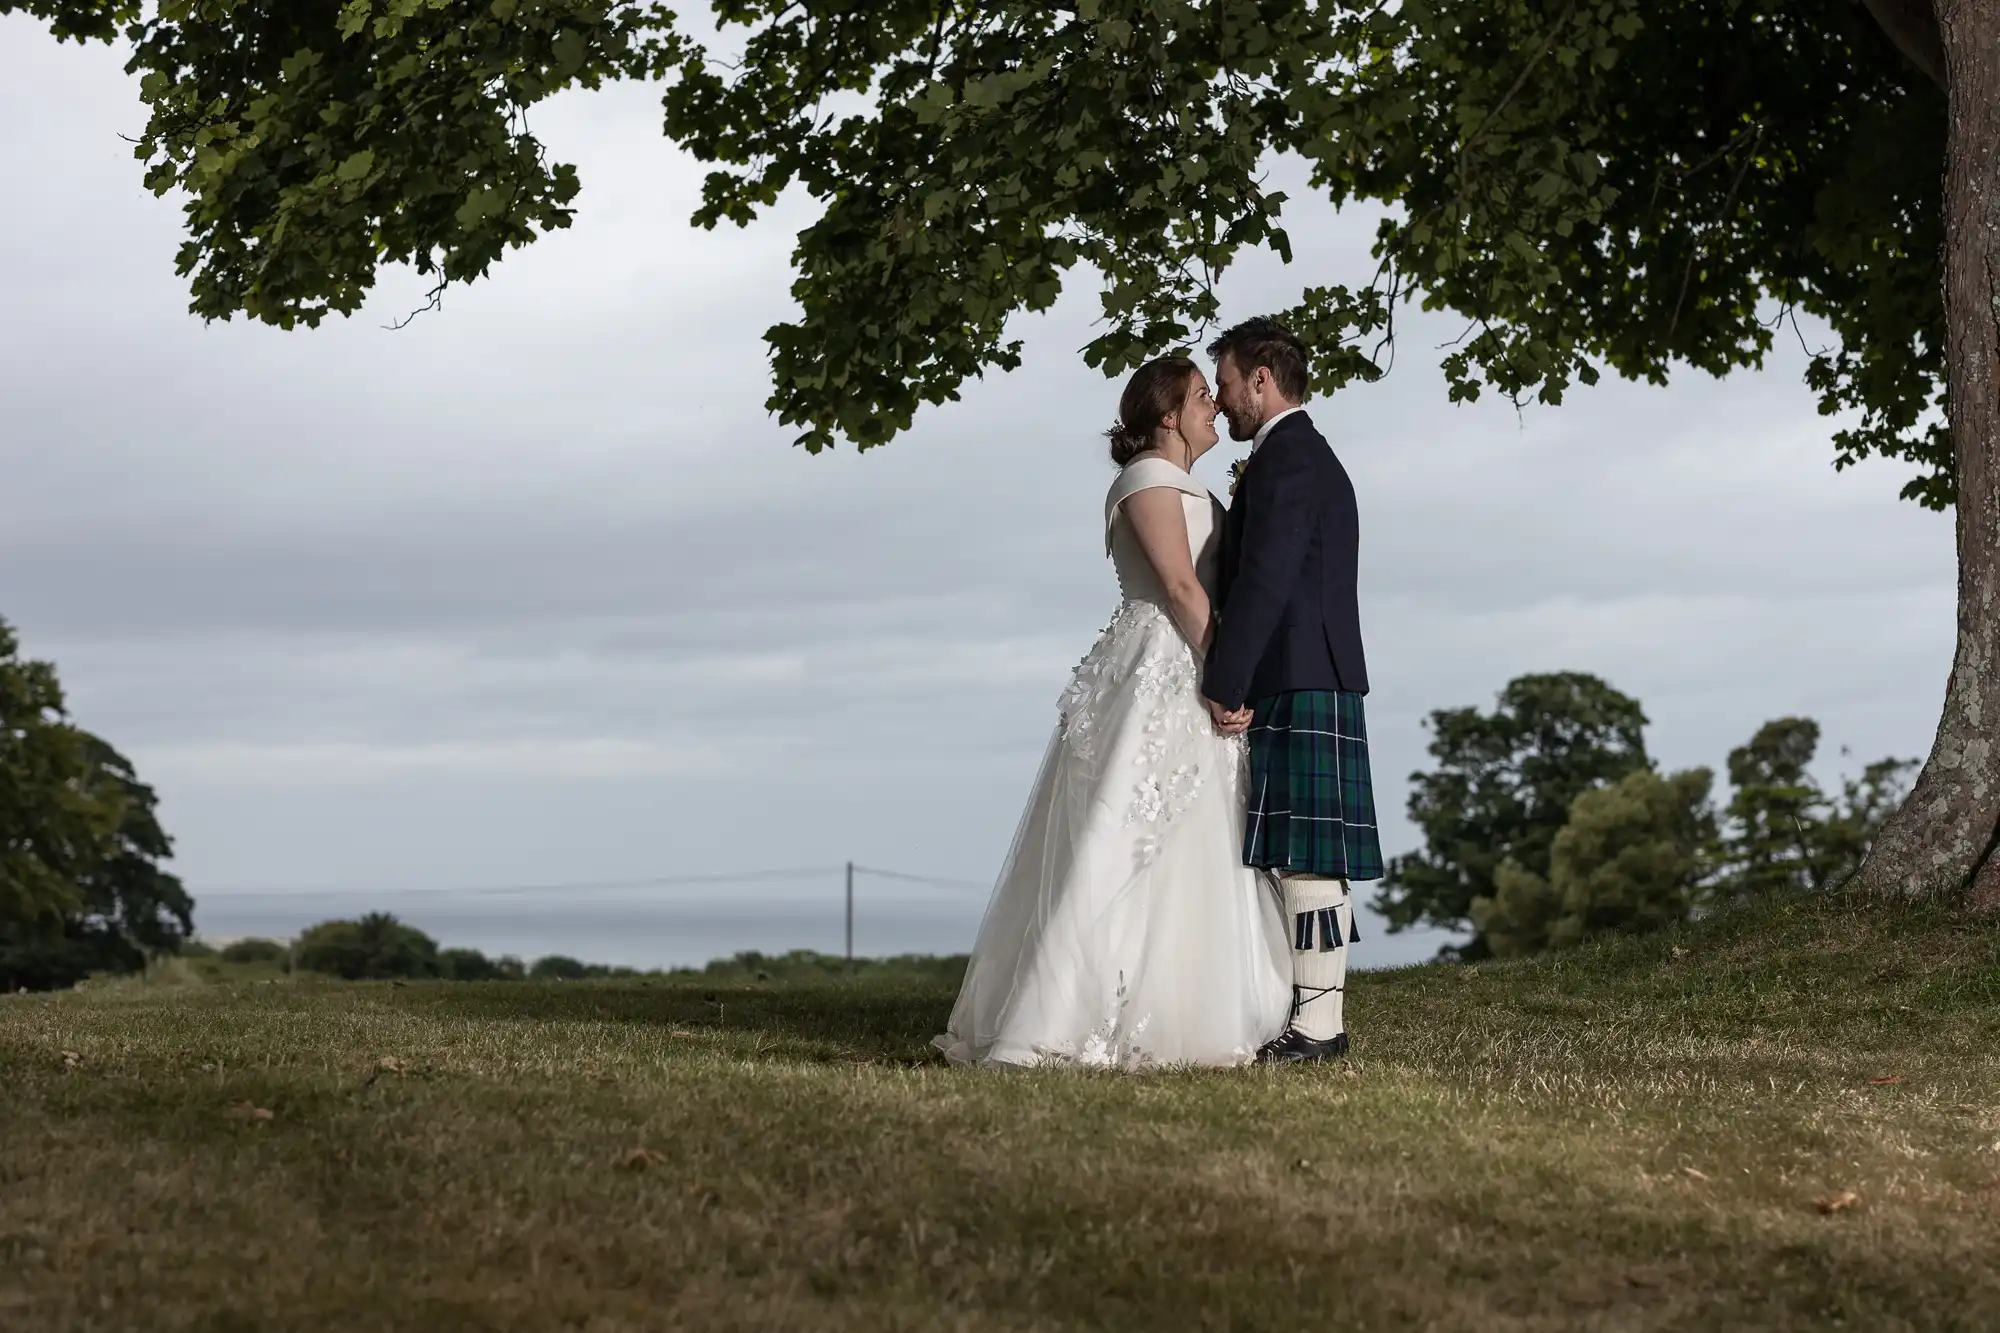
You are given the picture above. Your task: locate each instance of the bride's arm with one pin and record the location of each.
(1160, 524)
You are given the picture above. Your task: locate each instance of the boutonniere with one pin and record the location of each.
(1236, 474)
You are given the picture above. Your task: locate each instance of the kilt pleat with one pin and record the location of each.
(1312, 797)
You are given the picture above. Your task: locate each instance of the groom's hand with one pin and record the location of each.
(1228, 721)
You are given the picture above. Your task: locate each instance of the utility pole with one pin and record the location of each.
(850, 916)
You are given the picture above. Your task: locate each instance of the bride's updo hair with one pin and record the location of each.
(1156, 389)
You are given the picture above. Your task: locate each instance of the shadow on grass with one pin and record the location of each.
(1872, 978)
(863, 1021)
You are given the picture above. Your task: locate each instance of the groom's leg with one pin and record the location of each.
(1322, 915)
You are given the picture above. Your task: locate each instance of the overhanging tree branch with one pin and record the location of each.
(1913, 26)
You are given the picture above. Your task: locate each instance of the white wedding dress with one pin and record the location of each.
(1125, 930)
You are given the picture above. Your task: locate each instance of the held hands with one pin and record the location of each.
(1228, 721)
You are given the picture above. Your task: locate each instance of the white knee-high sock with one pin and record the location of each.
(1322, 925)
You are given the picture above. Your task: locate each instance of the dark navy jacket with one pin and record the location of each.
(1291, 616)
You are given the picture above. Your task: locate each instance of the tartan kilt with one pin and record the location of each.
(1311, 798)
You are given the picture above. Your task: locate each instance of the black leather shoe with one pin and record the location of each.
(1293, 1047)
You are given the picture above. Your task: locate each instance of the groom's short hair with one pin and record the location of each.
(1263, 341)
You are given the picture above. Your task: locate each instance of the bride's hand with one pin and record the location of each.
(1228, 721)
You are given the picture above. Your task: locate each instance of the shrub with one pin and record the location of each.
(471, 965)
(253, 950)
(1629, 859)
(60, 954)
(378, 946)
(557, 967)
(810, 964)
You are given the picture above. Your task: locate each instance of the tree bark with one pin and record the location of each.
(1942, 841)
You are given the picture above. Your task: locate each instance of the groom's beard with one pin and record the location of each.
(1242, 426)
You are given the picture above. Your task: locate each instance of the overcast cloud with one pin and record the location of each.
(534, 592)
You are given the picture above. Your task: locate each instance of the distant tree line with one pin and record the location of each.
(1545, 822)
(378, 947)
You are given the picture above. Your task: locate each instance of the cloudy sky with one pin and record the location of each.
(534, 593)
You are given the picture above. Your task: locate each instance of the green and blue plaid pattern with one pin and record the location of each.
(1312, 800)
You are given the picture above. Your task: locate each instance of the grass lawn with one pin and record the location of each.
(1787, 1118)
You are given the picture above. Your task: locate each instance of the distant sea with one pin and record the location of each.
(672, 928)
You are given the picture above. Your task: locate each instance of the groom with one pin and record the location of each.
(1286, 665)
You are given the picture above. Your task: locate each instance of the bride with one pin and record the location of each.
(1125, 930)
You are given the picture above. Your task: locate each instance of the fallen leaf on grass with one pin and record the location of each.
(638, 1159)
(1692, 1174)
(1834, 1203)
(1886, 1080)
(1677, 952)
(395, 1064)
(247, 1111)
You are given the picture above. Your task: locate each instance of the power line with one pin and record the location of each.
(656, 882)
(939, 880)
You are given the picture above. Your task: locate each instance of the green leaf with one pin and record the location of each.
(353, 18)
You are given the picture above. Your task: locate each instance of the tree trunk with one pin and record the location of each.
(1942, 841)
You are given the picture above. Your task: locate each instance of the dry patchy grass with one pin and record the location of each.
(1654, 1134)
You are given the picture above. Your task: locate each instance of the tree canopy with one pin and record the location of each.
(1790, 835)
(82, 889)
(1502, 791)
(1590, 186)
(56, 824)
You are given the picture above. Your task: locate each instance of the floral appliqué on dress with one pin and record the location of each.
(1164, 685)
